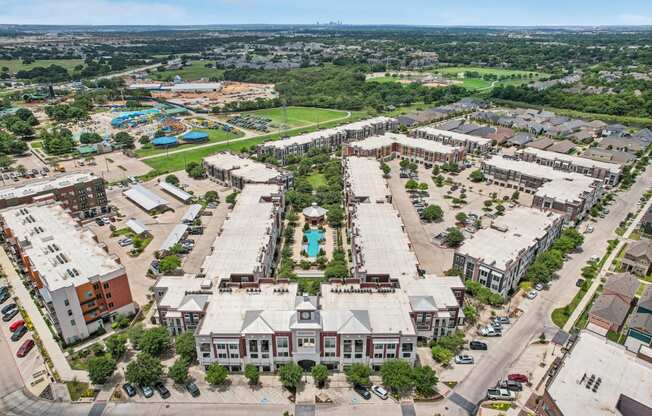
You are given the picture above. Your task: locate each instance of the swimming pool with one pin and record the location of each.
(314, 237)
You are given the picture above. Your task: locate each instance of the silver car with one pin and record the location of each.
(380, 392)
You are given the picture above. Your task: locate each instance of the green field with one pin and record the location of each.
(454, 70)
(298, 116)
(214, 136)
(175, 162)
(316, 180)
(16, 65)
(193, 72)
(476, 84)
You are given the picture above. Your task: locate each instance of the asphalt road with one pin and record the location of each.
(536, 318)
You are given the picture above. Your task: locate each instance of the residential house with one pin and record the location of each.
(640, 324)
(610, 309)
(638, 257)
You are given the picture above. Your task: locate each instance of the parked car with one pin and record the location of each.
(380, 392)
(463, 359)
(162, 390)
(125, 242)
(510, 385)
(4, 296)
(532, 294)
(129, 389)
(594, 259)
(9, 316)
(192, 389)
(538, 287)
(25, 348)
(147, 391)
(99, 222)
(579, 282)
(8, 308)
(15, 325)
(496, 325)
(488, 332)
(4, 289)
(521, 378)
(502, 319)
(19, 333)
(362, 391)
(500, 394)
(478, 345)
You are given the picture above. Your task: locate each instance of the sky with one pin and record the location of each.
(406, 12)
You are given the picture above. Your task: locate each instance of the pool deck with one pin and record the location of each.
(298, 245)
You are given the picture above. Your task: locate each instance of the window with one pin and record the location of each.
(106, 285)
(96, 286)
(359, 348)
(204, 346)
(306, 342)
(264, 348)
(108, 296)
(346, 347)
(281, 343)
(253, 348)
(391, 347)
(110, 304)
(329, 342)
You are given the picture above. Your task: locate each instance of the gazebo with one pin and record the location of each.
(314, 214)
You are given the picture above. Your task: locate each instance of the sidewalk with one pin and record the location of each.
(605, 267)
(53, 349)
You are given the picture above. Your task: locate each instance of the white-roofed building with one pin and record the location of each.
(327, 138)
(176, 192)
(234, 170)
(472, 144)
(191, 214)
(363, 182)
(414, 149)
(145, 198)
(174, 237)
(498, 256)
(80, 283)
(137, 226)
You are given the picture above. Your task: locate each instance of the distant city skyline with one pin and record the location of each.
(409, 12)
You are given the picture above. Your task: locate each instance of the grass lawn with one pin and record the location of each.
(176, 162)
(560, 315)
(316, 180)
(16, 65)
(193, 72)
(36, 144)
(475, 84)
(214, 136)
(298, 116)
(78, 389)
(454, 70)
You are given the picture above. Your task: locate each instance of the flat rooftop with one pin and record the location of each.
(245, 234)
(247, 169)
(620, 371)
(61, 251)
(455, 135)
(377, 142)
(364, 178)
(39, 187)
(575, 160)
(523, 227)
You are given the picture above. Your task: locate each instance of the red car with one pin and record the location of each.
(14, 326)
(521, 378)
(25, 348)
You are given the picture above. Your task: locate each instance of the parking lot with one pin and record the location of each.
(113, 167)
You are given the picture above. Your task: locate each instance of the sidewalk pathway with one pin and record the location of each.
(61, 365)
(605, 267)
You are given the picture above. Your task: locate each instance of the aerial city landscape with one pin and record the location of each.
(249, 208)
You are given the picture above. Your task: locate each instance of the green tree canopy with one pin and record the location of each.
(179, 370)
(290, 375)
(155, 341)
(397, 376)
(320, 374)
(100, 369)
(252, 374)
(185, 346)
(216, 374)
(358, 374)
(144, 370)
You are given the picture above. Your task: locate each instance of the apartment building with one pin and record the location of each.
(81, 193)
(328, 138)
(498, 256)
(569, 194)
(233, 170)
(608, 172)
(81, 285)
(471, 144)
(390, 145)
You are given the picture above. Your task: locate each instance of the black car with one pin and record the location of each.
(192, 389)
(478, 345)
(99, 222)
(18, 334)
(4, 289)
(362, 391)
(4, 296)
(129, 389)
(579, 282)
(9, 316)
(162, 390)
(6, 309)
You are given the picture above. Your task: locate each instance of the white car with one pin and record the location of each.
(532, 294)
(538, 287)
(125, 242)
(488, 332)
(500, 394)
(589, 228)
(463, 359)
(379, 391)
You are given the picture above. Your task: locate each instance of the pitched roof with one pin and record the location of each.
(624, 284)
(642, 248)
(610, 308)
(357, 323)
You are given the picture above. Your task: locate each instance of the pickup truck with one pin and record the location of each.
(500, 394)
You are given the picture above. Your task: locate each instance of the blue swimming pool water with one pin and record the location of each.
(313, 236)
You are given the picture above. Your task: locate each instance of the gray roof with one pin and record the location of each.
(643, 320)
(611, 308)
(467, 128)
(641, 248)
(450, 124)
(520, 138)
(624, 284)
(644, 133)
(541, 143)
(563, 146)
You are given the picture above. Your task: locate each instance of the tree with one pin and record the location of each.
(116, 345)
(252, 374)
(358, 374)
(179, 370)
(451, 342)
(435, 170)
(471, 314)
(385, 168)
(216, 374)
(320, 374)
(397, 376)
(155, 341)
(423, 187)
(425, 380)
(404, 164)
(144, 370)
(230, 198)
(100, 369)
(411, 185)
(454, 237)
(476, 176)
(461, 217)
(515, 195)
(89, 138)
(185, 346)
(433, 213)
(124, 140)
(135, 335)
(211, 196)
(335, 217)
(500, 210)
(290, 375)
(172, 180)
(441, 354)
(195, 170)
(169, 263)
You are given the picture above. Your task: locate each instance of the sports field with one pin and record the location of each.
(193, 72)
(516, 77)
(298, 116)
(16, 65)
